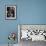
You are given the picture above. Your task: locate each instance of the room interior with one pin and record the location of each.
(28, 12)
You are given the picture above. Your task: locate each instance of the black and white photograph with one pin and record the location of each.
(10, 12)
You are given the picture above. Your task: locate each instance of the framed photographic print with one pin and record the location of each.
(10, 12)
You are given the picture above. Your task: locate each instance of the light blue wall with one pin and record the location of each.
(33, 12)
(28, 12)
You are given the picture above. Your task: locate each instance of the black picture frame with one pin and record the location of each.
(10, 12)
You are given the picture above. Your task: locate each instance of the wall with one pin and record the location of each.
(7, 26)
(28, 12)
(33, 12)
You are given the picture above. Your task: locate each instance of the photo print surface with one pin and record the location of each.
(10, 11)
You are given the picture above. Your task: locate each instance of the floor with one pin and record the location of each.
(7, 45)
(30, 43)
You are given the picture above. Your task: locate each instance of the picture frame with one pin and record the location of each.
(10, 12)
